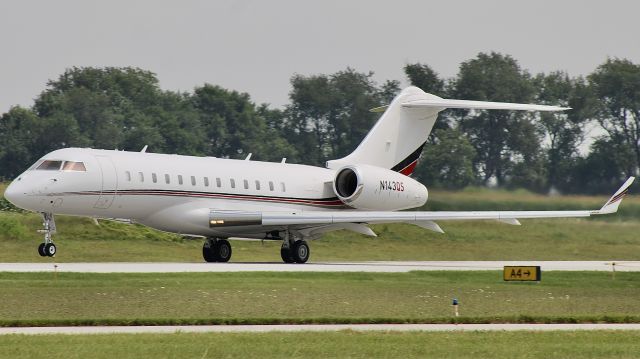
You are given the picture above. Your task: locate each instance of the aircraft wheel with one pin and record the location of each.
(50, 249)
(41, 250)
(222, 250)
(285, 254)
(208, 251)
(300, 252)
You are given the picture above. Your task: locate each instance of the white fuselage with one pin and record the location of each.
(174, 193)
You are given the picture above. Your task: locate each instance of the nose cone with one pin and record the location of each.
(10, 193)
(14, 194)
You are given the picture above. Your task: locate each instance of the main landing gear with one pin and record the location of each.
(293, 251)
(216, 250)
(47, 248)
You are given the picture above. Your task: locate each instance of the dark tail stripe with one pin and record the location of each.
(407, 163)
(618, 197)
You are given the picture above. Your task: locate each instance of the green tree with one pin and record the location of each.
(329, 114)
(424, 77)
(604, 168)
(564, 130)
(616, 84)
(448, 161)
(235, 126)
(18, 129)
(502, 139)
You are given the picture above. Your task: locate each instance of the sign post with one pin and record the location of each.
(455, 307)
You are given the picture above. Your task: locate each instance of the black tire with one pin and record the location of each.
(223, 250)
(50, 249)
(285, 254)
(300, 252)
(208, 252)
(41, 250)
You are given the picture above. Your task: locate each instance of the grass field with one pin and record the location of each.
(198, 298)
(614, 237)
(597, 344)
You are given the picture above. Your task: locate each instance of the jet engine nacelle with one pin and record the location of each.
(375, 188)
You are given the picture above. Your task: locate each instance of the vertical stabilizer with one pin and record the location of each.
(396, 140)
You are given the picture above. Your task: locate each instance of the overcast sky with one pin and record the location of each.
(256, 46)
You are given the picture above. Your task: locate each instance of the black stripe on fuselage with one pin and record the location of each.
(333, 202)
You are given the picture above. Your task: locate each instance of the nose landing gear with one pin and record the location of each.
(47, 248)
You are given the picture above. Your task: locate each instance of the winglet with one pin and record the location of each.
(612, 204)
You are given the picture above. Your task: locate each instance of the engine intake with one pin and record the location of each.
(346, 183)
(374, 188)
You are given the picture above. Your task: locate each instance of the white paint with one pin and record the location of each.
(380, 267)
(161, 329)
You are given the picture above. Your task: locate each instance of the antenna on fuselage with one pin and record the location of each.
(144, 149)
(248, 157)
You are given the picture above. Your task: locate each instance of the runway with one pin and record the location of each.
(386, 267)
(312, 328)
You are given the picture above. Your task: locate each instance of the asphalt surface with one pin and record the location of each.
(313, 328)
(128, 267)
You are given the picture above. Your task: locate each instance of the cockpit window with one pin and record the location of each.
(74, 166)
(35, 165)
(49, 165)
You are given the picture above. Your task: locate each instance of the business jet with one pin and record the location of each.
(218, 199)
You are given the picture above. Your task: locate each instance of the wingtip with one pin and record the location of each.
(611, 206)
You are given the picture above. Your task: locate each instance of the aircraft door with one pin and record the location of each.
(109, 183)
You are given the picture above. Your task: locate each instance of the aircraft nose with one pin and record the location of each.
(13, 192)
(10, 192)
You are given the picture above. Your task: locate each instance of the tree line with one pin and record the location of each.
(328, 115)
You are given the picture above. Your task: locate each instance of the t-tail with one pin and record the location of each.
(395, 142)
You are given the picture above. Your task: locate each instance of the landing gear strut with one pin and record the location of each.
(293, 251)
(47, 248)
(216, 250)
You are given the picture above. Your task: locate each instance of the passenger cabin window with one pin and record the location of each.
(167, 178)
(218, 182)
(246, 184)
(270, 185)
(49, 165)
(179, 179)
(193, 180)
(141, 176)
(284, 189)
(257, 185)
(233, 182)
(127, 175)
(73, 166)
(154, 178)
(206, 181)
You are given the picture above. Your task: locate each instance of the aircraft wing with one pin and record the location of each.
(427, 219)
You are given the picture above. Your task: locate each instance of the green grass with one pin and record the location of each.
(80, 240)
(347, 344)
(198, 298)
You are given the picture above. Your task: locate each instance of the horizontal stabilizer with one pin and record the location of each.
(478, 105)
